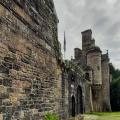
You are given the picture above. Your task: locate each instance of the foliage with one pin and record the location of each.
(115, 89)
(115, 94)
(50, 116)
(115, 72)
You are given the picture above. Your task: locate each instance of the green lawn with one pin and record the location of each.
(106, 116)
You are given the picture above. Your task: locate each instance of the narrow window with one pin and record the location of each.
(87, 77)
(98, 67)
(73, 78)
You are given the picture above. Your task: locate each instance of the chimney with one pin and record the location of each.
(86, 39)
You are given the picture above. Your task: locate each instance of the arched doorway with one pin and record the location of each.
(80, 108)
(73, 106)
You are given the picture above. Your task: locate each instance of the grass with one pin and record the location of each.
(107, 116)
(50, 116)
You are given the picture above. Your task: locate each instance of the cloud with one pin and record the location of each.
(102, 16)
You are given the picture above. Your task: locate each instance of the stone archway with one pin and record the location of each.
(73, 106)
(80, 108)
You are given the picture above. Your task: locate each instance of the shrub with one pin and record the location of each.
(50, 116)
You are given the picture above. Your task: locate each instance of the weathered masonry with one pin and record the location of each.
(30, 76)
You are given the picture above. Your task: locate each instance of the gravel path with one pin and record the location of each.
(90, 117)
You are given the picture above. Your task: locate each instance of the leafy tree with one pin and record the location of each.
(115, 88)
(115, 72)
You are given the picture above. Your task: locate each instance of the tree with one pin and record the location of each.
(115, 88)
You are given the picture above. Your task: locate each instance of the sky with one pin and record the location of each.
(102, 16)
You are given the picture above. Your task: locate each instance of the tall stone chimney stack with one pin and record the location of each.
(86, 39)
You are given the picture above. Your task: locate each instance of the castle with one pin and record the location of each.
(95, 83)
(34, 79)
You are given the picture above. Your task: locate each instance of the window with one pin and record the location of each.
(98, 67)
(73, 78)
(87, 77)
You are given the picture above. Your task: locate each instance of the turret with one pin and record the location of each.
(94, 61)
(106, 82)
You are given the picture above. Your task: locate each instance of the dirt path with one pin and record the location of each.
(91, 117)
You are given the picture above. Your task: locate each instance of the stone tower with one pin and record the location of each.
(94, 61)
(86, 39)
(87, 42)
(92, 56)
(106, 83)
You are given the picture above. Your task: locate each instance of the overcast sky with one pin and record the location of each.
(102, 16)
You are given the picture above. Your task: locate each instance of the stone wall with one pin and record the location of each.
(88, 104)
(30, 76)
(79, 90)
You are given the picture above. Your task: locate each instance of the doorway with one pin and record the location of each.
(73, 106)
(80, 108)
